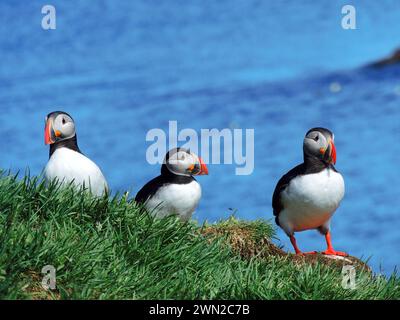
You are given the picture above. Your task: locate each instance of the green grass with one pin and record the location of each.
(112, 249)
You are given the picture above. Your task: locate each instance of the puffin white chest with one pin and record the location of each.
(310, 200)
(68, 166)
(180, 199)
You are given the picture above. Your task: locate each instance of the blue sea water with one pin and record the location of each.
(121, 68)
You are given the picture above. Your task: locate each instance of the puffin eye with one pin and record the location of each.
(63, 121)
(316, 138)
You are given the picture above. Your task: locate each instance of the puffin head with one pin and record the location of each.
(59, 126)
(181, 161)
(319, 143)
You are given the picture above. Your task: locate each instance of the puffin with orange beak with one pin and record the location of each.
(66, 162)
(307, 196)
(175, 191)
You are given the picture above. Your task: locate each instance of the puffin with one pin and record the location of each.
(175, 190)
(66, 162)
(307, 196)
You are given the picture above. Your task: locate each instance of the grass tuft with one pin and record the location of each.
(112, 249)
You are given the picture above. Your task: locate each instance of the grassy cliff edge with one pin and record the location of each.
(112, 249)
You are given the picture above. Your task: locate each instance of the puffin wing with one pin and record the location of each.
(149, 190)
(283, 182)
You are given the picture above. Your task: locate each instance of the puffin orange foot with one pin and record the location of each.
(331, 252)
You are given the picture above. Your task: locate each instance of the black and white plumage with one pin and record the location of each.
(66, 162)
(175, 191)
(307, 196)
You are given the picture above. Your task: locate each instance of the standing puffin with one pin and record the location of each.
(66, 162)
(307, 196)
(175, 191)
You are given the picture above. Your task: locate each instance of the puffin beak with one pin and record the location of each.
(333, 152)
(47, 133)
(203, 168)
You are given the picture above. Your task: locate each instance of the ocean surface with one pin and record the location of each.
(122, 68)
